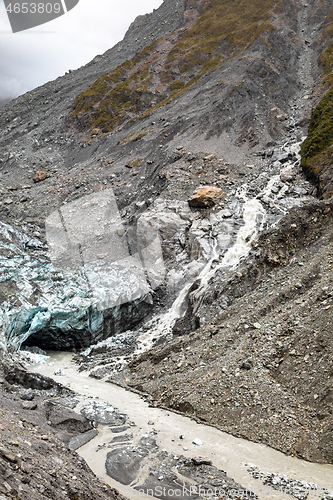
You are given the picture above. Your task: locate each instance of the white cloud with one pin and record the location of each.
(33, 57)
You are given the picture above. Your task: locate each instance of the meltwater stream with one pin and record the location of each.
(233, 455)
(254, 218)
(112, 456)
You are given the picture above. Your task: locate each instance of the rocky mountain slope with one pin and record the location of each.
(262, 369)
(217, 94)
(34, 462)
(259, 93)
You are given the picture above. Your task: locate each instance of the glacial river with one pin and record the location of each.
(226, 452)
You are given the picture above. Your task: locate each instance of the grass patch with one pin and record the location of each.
(134, 137)
(134, 163)
(320, 134)
(326, 58)
(223, 29)
(317, 149)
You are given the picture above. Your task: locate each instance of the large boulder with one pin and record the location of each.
(205, 197)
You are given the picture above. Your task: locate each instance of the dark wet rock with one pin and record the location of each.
(33, 381)
(65, 419)
(201, 461)
(81, 439)
(123, 464)
(117, 430)
(197, 480)
(121, 439)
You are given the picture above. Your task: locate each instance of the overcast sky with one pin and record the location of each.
(32, 57)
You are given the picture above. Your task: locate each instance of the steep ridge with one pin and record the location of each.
(317, 148)
(212, 33)
(245, 102)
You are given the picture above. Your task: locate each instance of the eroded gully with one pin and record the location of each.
(230, 454)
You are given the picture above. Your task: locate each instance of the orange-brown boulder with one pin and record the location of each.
(205, 197)
(39, 176)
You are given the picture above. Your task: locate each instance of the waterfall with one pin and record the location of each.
(254, 218)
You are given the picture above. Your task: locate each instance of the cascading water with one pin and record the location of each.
(254, 218)
(163, 325)
(251, 215)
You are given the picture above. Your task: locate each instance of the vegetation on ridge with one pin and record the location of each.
(317, 149)
(136, 87)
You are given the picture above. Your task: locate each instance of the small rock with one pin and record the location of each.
(287, 174)
(98, 187)
(39, 176)
(246, 365)
(280, 155)
(7, 486)
(197, 442)
(82, 439)
(28, 405)
(27, 395)
(301, 191)
(8, 455)
(226, 213)
(210, 157)
(201, 461)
